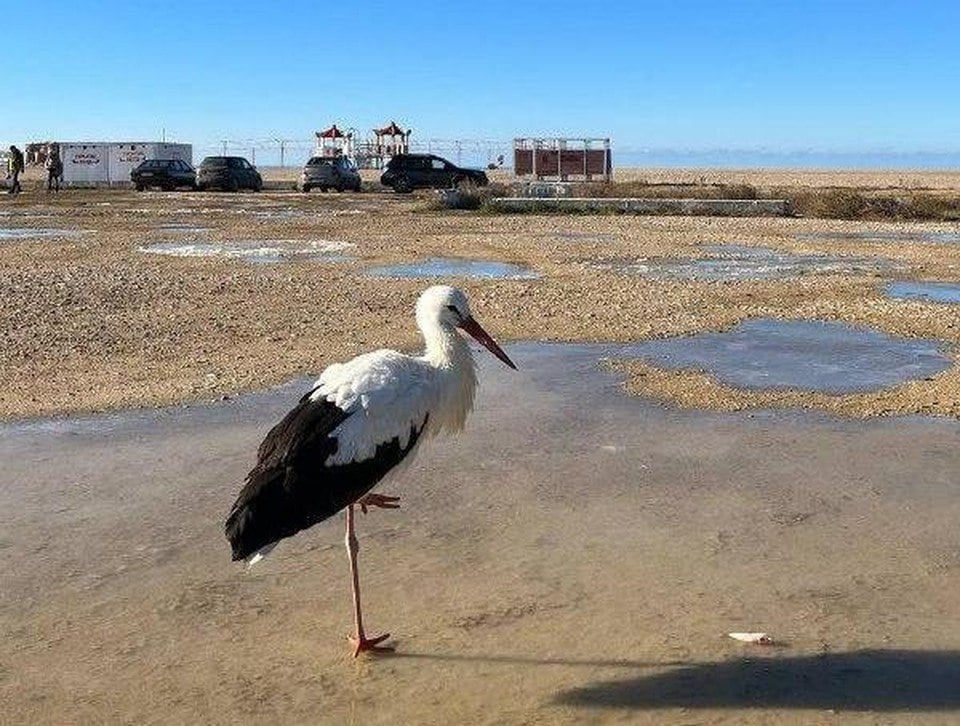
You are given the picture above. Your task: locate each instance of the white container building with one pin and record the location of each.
(92, 163)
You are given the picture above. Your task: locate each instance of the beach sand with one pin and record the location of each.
(576, 556)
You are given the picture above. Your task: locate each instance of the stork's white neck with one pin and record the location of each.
(449, 355)
(444, 346)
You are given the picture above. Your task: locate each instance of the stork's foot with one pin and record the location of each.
(383, 501)
(370, 644)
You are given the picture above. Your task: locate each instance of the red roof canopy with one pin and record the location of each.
(331, 133)
(390, 130)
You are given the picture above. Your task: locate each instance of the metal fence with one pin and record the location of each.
(261, 152)
(294, 152)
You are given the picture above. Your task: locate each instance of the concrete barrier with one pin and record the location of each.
(702, 207)
(545, 189)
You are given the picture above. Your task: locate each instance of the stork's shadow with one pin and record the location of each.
(865, 680)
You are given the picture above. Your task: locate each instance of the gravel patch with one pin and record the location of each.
(96, 324)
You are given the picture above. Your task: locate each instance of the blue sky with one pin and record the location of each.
(831, 76)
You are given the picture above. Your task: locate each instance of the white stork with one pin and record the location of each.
(361, 419)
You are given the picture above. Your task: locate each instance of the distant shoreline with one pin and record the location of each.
(807, 160)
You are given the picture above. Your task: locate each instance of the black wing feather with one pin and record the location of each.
(301, 430)
(291, 489)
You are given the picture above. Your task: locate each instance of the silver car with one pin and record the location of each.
(329, 172)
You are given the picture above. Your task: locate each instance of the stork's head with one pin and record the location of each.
(448, 307)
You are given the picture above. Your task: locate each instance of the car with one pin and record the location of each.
(168, 174)
(228, 172)
(329, 172)
(406, 172)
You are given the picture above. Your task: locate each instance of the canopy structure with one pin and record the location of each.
(334, 142)
(391, 129)
(372, 152)
(388, 141)
(331, 133)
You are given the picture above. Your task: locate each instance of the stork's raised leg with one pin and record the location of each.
(384, 501)
(360, 641)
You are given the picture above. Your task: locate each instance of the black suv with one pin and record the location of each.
(406, 172)
(168, 174)
(228, 172)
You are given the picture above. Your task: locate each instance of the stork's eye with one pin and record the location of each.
(453, 309)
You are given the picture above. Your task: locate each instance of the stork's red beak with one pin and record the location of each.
(473, 328)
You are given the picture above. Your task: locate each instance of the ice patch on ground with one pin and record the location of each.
(251, 250)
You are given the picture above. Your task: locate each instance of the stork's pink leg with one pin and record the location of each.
(360, 642)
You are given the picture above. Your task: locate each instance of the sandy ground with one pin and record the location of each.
(807, 178)
(825, 178)
(576, 556)
(89, 322)
(586, 572)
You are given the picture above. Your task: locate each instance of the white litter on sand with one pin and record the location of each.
(755, 638)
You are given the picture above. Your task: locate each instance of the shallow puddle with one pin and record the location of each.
(942, 292)
(559, 367)
(285, 214)
(261, 251)
(24, 215)
(571, 236)
(451, 267)
(17, 233)
(743, 262)
(542, 520)
(182, 227)
(798, 354)
(883, 237)
(160, 211)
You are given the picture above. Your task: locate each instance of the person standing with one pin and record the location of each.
(54, 167)
(14, 168)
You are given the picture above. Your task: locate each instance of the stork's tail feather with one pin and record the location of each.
(250, 526)
(238, 530)
(260, 554)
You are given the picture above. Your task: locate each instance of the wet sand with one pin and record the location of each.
(577, 555)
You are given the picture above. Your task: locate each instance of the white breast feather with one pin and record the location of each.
(386, 392)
